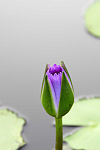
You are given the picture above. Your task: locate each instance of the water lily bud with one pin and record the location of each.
(57, 93)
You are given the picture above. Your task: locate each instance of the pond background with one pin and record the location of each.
(36, 32)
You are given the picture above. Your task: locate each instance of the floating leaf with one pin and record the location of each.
(84, 112)
(92, 19)
(10, 130)
(65, 147)
(87, 138)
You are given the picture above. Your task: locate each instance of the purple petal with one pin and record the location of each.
(54, 74)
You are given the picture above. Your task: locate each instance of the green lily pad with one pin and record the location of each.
(92, 19)
(84, 112)
(11, 127)
(65, 147)
(87, 138)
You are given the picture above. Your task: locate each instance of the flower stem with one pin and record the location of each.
(59, 134)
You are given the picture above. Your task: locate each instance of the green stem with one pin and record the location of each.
(59, 134)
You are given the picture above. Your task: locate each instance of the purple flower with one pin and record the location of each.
(58, 89)
(54, 74)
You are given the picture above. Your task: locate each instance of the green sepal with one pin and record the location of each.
(46, 68)
(65, 69)
(66, 97)
(47, 98)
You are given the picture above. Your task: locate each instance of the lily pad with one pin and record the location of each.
(87, 138)
(84, 112)
(11, 127)
(65, 147)
(92, 19)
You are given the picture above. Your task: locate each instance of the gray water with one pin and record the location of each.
(36, 32)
